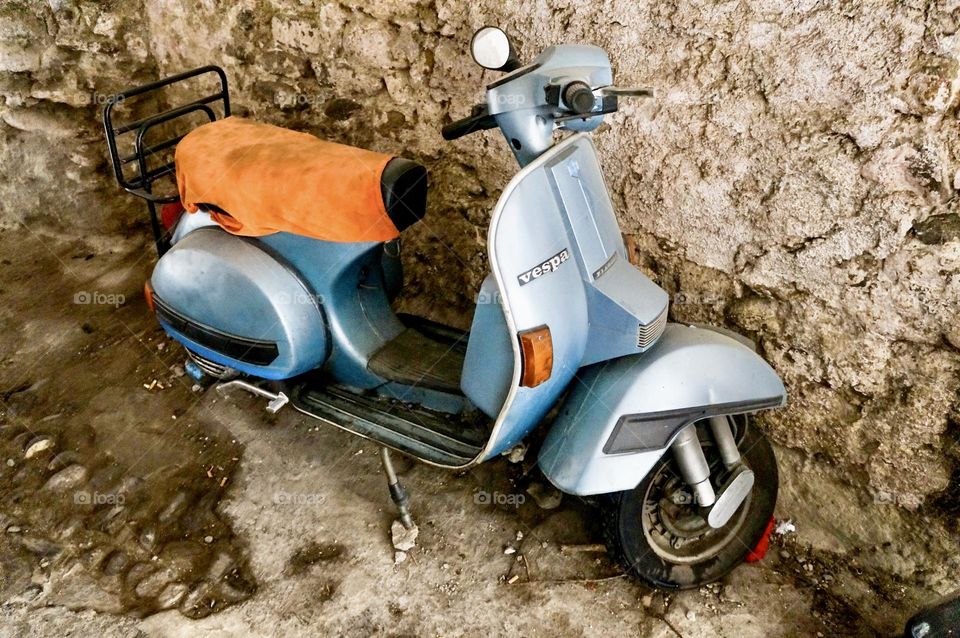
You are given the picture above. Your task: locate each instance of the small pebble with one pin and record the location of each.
(208, 539)
(509, 550)
(691, 615)
(403, 539)
(68, 478)
(38, 446)
(11, 462)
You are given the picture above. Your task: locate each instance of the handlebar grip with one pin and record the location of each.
(467, 125)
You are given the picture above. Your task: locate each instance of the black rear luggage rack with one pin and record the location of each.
(140, 182)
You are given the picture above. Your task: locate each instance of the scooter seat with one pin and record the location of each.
(256, 179)
(403, 186)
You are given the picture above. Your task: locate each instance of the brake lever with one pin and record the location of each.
(625, 91)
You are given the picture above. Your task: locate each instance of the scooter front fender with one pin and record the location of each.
(621, 415)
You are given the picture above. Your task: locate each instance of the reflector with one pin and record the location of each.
(148, 295)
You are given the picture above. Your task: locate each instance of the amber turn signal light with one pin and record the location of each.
(536, 346)
(148, 295)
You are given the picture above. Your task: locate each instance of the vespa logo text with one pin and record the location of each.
(546, 267)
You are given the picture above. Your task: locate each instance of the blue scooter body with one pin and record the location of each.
(563, 322)
(557, 260)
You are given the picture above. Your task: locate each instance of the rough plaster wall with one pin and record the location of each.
(796, 178)
(58, 62)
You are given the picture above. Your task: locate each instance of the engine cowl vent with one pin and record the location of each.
(649, 333)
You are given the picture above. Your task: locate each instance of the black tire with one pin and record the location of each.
(631, 542)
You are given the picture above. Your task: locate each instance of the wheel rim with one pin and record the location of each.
(674, 528)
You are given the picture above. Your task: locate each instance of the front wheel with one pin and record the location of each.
(659, 534)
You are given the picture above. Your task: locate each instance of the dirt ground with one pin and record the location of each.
(133, 504)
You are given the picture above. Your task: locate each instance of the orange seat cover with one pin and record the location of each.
(271, 179)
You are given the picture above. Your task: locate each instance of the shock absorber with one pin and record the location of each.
(693, 465)
(720, 426)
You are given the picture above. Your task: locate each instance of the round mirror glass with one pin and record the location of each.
(490, 48)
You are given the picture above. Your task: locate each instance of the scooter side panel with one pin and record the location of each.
(214, 283)
(349, 283)
(488, 365)
(617, 423)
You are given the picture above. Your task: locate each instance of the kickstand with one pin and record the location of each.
(276, 399)
(397, 493)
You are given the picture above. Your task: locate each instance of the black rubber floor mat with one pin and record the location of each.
(445, 439)
(415, 359)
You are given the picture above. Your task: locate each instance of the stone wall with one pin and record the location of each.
(58, 63)
(796, 178)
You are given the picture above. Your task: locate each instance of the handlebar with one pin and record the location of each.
(478, 120)
(574, 101)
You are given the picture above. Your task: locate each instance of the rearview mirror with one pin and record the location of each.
(492, 49)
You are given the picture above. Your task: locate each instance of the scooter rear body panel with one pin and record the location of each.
(231, 301)
(347, 279)
(328, 303)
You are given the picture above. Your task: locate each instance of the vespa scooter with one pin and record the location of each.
(653, 419)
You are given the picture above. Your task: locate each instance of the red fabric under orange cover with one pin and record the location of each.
(273, 179)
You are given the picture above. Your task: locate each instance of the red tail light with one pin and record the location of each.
(170, 214)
